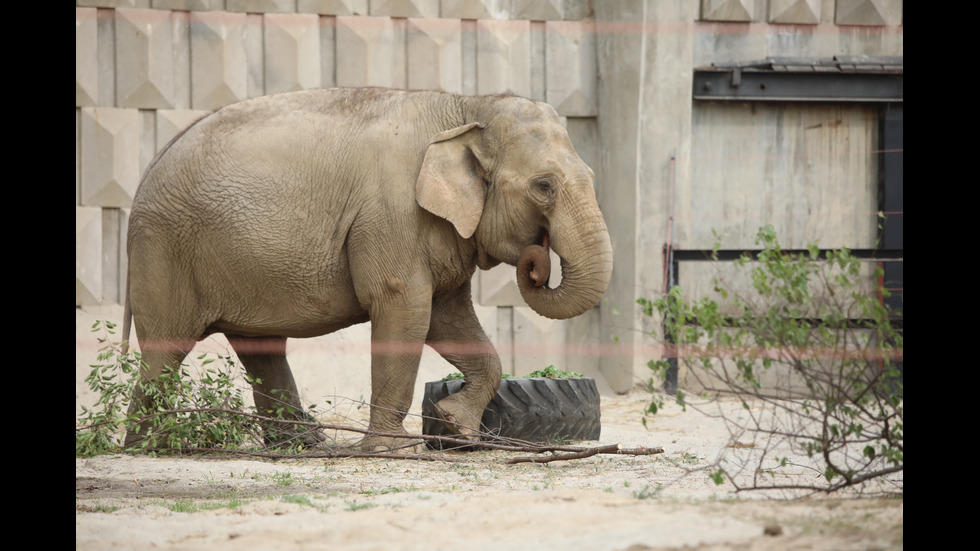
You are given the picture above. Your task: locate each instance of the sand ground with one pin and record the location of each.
(605, 502)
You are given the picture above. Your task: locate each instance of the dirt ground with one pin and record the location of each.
(605, 502)
(600, 503)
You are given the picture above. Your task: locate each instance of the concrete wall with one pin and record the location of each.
(711, 165)
(620, 72)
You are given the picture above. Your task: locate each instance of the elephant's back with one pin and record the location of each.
(237, 194)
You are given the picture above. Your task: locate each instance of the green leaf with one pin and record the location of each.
(869, 452)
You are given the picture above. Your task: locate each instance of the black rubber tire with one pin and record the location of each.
(536, 410)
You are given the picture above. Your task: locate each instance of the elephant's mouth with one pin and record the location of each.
(535, 260)
(543, 238)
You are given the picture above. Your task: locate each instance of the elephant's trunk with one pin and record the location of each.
(583, 245)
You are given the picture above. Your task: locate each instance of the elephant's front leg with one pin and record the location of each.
(397, 335)
(455, 333)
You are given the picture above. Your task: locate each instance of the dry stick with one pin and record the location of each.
(587, 452)
(570, 452)
(584, 452)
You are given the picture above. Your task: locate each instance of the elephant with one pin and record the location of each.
(297, 214)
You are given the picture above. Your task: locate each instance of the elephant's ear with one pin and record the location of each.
(450, 184)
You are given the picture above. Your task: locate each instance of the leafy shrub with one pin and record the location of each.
(205, 413)
(550, 372)
(814, 319)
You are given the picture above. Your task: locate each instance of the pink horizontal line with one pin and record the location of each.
(797, 155)
(781, 216)
(557, 350)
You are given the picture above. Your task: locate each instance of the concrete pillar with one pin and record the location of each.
(643, 54)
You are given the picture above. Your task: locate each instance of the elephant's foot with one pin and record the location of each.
(390, 444)
(460, 417)
(282, 433)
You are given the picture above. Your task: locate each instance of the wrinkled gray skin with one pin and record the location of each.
(298, 214)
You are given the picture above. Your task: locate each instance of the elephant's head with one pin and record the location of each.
(512, 180)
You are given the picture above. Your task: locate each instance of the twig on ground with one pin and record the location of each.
(471, 442)
(585, 452)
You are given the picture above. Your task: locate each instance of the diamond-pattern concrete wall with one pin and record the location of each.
(219, 65)
(145, 69)
(503, 57)
(368, 52)
(292, 52)
(145, 58)
(571, 68)
(794, 11)
(435, 54)
(86, 58)
(110, 139)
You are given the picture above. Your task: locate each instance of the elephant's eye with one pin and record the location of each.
(543, 186)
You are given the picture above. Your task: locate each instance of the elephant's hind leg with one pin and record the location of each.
(156, 354)
(275, 392)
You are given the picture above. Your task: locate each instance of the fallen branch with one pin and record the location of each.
(587, 452)
(485, 441)
(558, 453)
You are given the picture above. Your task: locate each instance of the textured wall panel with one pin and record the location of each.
(404, 8)
(727, 10)
(88, 255)
(107, 3)
(370, 52)
(503, 57)
(328, 51)
(171, 123)
(538, 341)
(584, 344)
(261, 6)
(474, 9)
(106, 54)
(255, 54)
(110, 156)
(181, 21)
(576, 10)
(292, 52)
(869, 12)
(537, 10)
(333, 7)
(539, 73)
(219, 70)
(86, 58)
(497, 287)
(435, 55)
(584, 134)
(469, 57)
(144, 59)
(571, 84)
(189, 5)
(805, 12)
(114, 260)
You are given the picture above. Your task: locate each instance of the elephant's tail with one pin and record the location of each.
(127, 319)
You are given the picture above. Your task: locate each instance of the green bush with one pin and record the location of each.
(818, 319)
(205, 413)
(550, 372)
